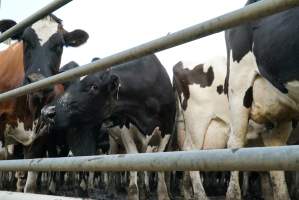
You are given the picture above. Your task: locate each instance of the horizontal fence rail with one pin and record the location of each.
(243, 159)
(51, 7)
(5, 195)
(252, 12)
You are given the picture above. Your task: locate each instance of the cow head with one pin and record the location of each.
(87, 101)
(43, 44)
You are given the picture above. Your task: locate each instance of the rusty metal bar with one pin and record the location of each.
(51, 7)
(251, 12)
(243, 159)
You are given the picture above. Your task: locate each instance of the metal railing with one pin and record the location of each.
(243, 159)
(251, 12)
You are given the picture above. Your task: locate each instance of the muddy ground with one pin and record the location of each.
(118, 190)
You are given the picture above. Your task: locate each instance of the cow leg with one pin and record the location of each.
(3, 153)
(91, 180)
(20, 176)
(266, 186)
(239, 123)
(185, 145)
(241, 78)
(130, 146)
(198, 189)
(278, 137)
(52, 186)
(245, 185)
(36, 150)
(162, 187)
(149, 149)
(108, 176)
(30, 186)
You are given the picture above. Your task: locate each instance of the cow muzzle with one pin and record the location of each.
(48, 113)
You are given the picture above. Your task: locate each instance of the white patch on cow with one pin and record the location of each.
(293, 90)
(20, 134)
(45, 28)
(269, 104)
(83, 77)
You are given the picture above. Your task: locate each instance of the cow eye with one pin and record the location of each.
(93, 87)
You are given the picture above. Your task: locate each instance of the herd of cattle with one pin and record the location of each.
(249, 98)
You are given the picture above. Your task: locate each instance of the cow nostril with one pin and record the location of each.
(51, 115)
(49, 112)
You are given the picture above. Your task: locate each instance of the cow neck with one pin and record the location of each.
(11, 67)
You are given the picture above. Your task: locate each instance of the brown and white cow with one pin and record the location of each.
(36, 55)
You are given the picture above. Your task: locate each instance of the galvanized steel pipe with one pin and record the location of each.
(243, 159)
(252, 12)
(5, 195)
(51, 7)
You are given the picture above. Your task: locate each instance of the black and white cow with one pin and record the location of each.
(138, 92)
(262, 84)
(203, 121)
(203, 112)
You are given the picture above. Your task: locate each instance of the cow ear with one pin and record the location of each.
(6, 24)
(75, 38)
(68, 66)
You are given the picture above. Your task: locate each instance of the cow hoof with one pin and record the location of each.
(163, 197)
(200, 197)
(281, 196)
(133, 193)
(29, 188)
(81, 193)
(83, 185)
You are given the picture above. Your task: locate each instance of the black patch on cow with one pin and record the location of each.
(185, 77)
(274, 51)
(248, 98)
(225, 89)
(220, 89)
(197, 75)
